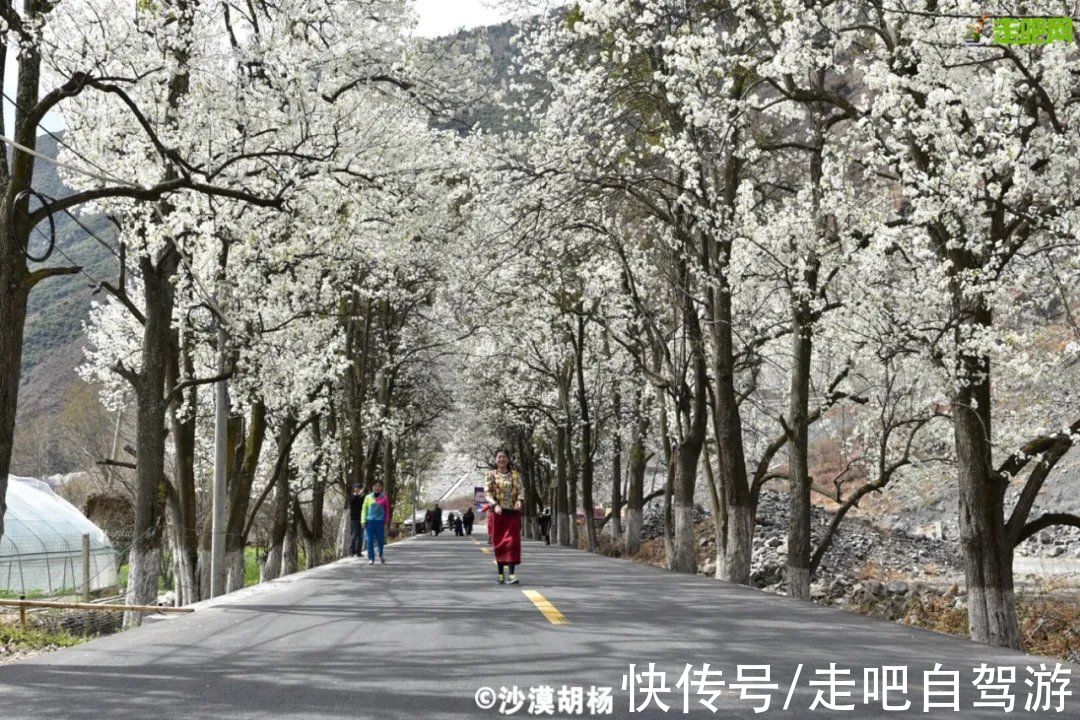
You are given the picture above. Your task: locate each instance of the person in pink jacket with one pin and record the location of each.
(376, 515)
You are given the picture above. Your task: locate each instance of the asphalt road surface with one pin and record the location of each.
(422, 636)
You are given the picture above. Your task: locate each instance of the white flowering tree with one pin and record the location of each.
(976, 142)
(325, 123)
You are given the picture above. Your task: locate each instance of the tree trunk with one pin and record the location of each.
(313, 534)
(563, 518)
(528, 487)
(389, 476)
(719, 512)
(992, 613)
(802, 338)
(186, 536)
(341, 535)
(669, 486)
(290, 547)
(695, 420)
(144, 565)
(13, 297)
(16, 281)
(684, 545)
(587, 461)
(314, 549)
(798, 545)
(357, 384)
(731, 470)
(636, 495)
(151, 390)
(272, 567)
(240, 496)
(235, 567)
(572, 486)
(616, 471)
(185, 577)
(151, 394)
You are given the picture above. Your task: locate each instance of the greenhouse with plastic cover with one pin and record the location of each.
(42, 549)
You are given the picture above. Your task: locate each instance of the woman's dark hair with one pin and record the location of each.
(509, 457)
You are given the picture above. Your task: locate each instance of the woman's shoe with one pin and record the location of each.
(501, 579)
(513, 580)
(382, 560)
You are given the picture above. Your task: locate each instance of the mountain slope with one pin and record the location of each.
(59, 306)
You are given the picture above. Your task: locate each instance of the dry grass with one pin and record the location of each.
(872, 571)
(1049, 623)
(937, 613)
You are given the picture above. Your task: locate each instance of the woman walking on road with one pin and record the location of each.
(376, 514)
(503, 487)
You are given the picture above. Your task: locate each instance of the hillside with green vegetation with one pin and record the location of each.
(59, 306)
(57, 311)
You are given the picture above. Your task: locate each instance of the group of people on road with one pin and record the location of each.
(369, 511)
(461, 524)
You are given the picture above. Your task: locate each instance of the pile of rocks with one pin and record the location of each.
(856, 546)
(898, 599)
(652, 520)
(930, 508)
(1054, 542)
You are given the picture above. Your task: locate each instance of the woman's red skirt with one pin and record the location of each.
(506, 536)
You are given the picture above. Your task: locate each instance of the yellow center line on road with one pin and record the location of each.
(546, 608)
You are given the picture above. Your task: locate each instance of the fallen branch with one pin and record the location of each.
(92, 606)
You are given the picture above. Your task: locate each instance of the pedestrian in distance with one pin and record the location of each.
(376, 515)
(356, 520)
(429, 522)
(503, 489)
(459, 526)
(437, 519)
(467, 521)
(545, 525)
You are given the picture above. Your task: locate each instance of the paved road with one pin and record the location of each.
(418, 637)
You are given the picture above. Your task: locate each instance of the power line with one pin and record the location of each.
(60, 141)
(108, 177)
(66, 166)
(67, 257)
(91, 233)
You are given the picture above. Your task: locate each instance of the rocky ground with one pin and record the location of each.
(1055, 542)
(928, 506)
(859, 550)
(911, 576)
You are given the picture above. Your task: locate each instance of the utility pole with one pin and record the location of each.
(116, 432)
(221, 442)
